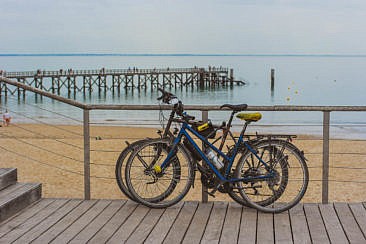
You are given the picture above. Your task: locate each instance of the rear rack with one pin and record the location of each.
(270, 136)
(253, 137)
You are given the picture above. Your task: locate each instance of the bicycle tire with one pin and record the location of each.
(273, 152)
(179, 174)
(119, 167)
(286, 196)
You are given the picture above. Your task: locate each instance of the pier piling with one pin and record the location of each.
(272, 79)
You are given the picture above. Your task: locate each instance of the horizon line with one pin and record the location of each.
(177, 55)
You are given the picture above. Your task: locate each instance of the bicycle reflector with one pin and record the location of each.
(157, 169)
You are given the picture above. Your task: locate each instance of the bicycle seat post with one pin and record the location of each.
(231, 119)
(226, 130)
(244, 128)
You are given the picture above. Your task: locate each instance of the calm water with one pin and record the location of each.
(300, 80)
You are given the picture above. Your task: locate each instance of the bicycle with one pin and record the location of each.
(166, 97)
(207, 177)
(171, 162)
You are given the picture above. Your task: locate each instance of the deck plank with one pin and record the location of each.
(62, 225)
(197, 227)
(143, 230)
(332, 224)
(114, 223)
(230, 230)
(129, 225)
(98, 222)
(282, 228)
(265, 230)
(181, 224)
(13, 222)
(215, 223)
(162, 228)
(350, 226)
(299, 227)
(316, 226)
(359, 212)
(49, 221)
(248, 226)
(32, 222)
(119, 221)
(82, 222)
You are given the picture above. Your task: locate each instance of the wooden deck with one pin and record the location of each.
(117, 221)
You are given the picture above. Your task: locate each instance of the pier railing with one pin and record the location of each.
(322, 181)
(104, 71)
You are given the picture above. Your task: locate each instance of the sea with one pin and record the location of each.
(306, 80)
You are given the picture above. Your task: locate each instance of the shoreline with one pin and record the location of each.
(352, 131)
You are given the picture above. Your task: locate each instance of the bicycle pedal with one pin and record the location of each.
(211, 194)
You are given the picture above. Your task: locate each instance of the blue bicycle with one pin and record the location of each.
(268, 173)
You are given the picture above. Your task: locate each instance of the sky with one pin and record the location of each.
(183, 26)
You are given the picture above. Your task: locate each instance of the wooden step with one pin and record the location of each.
(8, 176)
(18, 196)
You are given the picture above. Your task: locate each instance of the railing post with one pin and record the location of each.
(325, 177)
(204, 189)
(86, 155)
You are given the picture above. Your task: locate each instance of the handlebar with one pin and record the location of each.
(170, 98)
(165, 96)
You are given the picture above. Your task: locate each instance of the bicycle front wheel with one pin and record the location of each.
(279, 186)
(159, 189)
(121, 165)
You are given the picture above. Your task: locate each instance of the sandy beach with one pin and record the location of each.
(53, 155)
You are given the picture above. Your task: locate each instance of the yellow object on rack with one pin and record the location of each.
(203, 127)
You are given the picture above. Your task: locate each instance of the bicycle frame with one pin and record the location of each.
(223, 178)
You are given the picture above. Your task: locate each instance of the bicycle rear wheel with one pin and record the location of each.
(159, 189)
(251, 167)
(289, 179)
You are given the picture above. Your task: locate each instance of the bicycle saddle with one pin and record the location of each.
(249, 117)
(235, 108)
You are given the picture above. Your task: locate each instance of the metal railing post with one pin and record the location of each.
(86, 155)
(204, 189)
(325, 176)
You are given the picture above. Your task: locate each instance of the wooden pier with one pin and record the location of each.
(115, 80)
